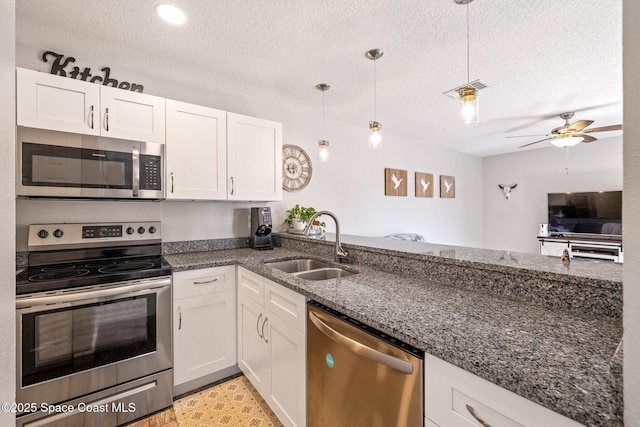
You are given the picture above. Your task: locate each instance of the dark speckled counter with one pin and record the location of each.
(557, 356)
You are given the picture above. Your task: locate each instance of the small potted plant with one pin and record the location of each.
(299, 217)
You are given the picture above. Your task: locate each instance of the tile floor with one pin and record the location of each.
(232, 403)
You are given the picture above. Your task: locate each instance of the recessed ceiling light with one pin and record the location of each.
(171, 14)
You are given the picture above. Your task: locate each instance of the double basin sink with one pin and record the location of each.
(309, 269)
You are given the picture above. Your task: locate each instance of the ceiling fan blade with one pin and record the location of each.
(535, 142)
(579, 125)
(533, 119)
(604, 129)
(587, 138)
(524, 136)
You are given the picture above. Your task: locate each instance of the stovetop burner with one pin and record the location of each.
(57, 274)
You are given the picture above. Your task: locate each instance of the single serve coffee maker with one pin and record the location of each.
(261, 229)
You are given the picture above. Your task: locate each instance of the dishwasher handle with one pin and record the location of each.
(361, 349)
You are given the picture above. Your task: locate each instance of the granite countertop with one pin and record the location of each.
(556, 358)
(495, 259)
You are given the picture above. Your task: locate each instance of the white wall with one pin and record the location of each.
(513, 224)
(631, 212)
(351, 184)
(7, 216)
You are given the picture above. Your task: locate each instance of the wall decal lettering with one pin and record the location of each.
(59, 67)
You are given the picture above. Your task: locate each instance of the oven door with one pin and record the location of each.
(57, 164)
(74, 343)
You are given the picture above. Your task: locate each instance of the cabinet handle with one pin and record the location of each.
(179, 318)
(472, 411)
(258, 326)
(232, 186)
(91, 117)
(172, 182)
(266, 319)
(106, 119)
(206, 281)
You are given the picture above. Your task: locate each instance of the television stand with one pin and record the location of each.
(582, 247)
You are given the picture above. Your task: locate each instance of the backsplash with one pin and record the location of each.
(169, 248)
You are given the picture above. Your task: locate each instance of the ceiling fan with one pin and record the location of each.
(571, 133)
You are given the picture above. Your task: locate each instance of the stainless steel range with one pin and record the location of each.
(93, 325)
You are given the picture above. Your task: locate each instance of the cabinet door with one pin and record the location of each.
(457, 398)
(552, 248)
(47, 101)
(287, 371)
(204, 335)
(252, 349)
(254, 158)
(131, 115)
(196, 152)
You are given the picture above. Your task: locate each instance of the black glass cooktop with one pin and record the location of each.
(64, 269)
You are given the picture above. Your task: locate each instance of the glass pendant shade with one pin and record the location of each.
(324, 150)
(567, 141)
(375, 135)
(469, 107)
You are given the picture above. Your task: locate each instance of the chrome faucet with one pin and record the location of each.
(341, 254)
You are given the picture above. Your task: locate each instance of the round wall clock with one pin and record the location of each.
(296, 168)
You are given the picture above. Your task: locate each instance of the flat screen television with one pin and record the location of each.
(598, 212)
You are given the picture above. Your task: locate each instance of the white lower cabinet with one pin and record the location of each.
(204, 322)
(552, 248)
(457, 398)
(272, 344)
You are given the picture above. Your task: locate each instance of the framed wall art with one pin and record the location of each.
(447, 187)
(395, 182)
(424, 184)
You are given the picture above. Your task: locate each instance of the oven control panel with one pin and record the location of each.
(100, 231)
(56, 236)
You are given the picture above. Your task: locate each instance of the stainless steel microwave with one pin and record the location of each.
(60, 164)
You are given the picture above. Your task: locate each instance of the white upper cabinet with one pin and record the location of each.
(196, 152)
(47, 101)
(132, 115)
(254, 158)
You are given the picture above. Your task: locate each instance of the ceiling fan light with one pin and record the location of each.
(324, 150)
(469, 106)
(171, 14)
(375, 135)
(567, 141)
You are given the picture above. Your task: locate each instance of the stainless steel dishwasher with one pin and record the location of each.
(359, 376)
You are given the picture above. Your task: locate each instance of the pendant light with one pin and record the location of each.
(375, 127)
(468, 95)
(323, 144)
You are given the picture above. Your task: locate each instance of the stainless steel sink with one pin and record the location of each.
(323, 273)
(309, 269)
(297, 265)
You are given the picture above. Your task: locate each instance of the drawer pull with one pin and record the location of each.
(472, 411)
(206, 281)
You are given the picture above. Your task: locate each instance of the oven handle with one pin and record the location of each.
(92, 293)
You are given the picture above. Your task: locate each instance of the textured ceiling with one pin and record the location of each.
(539, 58)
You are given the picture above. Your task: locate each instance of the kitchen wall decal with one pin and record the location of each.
(447, 187)
(395, 182)
(60, 63)
(424, 184)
